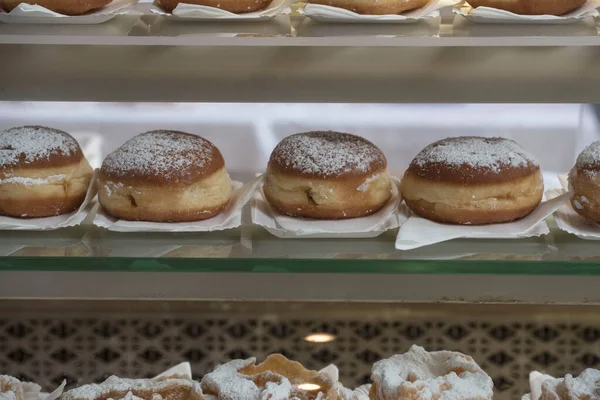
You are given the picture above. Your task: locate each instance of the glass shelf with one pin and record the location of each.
(251, 249)
(151, 30)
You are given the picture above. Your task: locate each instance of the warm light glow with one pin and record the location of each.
(308, 386)
(320, 338)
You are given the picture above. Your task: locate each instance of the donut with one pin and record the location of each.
(66, 7)
(43, 172)
(473, 181)
(233, 6)
(164, 176)
(531, 7)
(166, 388)
(421, 375)
(584, 183)
(374, 7)
(275, 378)
(327, 175)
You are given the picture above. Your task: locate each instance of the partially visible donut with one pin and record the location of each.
(327, 175)
(531, 7)
(164, 176)
(43, 172)
(66, 7)
(584, 183)
(375, 7)
(473, 181)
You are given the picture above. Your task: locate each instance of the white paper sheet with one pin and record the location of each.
(50, 223)
(535, 385)
(32, 391)
(286, 227)
(230, 218)
(323, 13)
(418, 232)
(193, 12)
(35, 14)
(567, 218)
(182, 370)
(495, 16)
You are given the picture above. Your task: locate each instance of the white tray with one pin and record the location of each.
(192, 12)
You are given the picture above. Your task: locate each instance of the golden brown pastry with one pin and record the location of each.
(43, 172)
(421, 375)
(531, 7)
(164, 176)
(375, 7)
(276, 378)
(66, 7)
(473, 181)
(234, 6)
(10, 388)
(168, 388)
(327, 175)
(584, 183)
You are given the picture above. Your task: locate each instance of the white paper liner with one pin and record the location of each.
(418, 232)
(535, 385)
(35, 14)
(323, 13)
(567, 218)
(495, 16)
(286, 227)
(51, 223)
(193, 12)
(32, 391)
(182, 370)
(230, 218)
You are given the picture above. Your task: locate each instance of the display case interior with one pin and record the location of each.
(86, 342)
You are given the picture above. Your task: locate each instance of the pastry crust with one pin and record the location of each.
(531, 7)
(234, 6)
(275, 378)
(584, 183)
(473, 181)
(43, 172)
(327, 175)
(164, 176)
(66, 7)
(374, 7)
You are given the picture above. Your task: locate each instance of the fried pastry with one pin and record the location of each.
(584, 387)
(10, 388)
(421, 375)
(276, 378)
(115, 388)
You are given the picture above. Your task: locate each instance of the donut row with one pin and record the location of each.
(414, 375)
(378, 7)
(170, 176)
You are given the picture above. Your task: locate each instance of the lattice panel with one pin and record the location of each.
(48, 349)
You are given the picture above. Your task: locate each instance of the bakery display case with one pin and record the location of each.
(91, 293)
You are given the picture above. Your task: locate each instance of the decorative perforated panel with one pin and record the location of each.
(89, 346)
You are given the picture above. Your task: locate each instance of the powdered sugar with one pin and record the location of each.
(226, 382)
(34, 143)
(477, 152)
(585, 386)
(114, 385)
(163, 153)
(327, 154)
(589, 158)
(431, 376)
